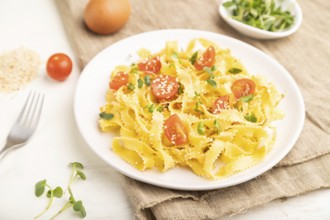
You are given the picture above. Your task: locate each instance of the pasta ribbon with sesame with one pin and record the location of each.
(195, 108)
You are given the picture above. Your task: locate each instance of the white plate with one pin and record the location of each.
(93, 84)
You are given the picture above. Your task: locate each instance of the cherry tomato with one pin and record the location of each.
(59, 66)
(243, 87)
(119, 80)
(152, 65)
(206, 60)
(222, 102)
(175, 131)
(164, 87)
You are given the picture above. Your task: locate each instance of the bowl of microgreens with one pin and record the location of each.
(262, 19)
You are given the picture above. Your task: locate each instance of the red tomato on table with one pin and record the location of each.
(59, 66)
(175, 131)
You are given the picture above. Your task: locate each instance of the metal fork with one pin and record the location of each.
(25, 124)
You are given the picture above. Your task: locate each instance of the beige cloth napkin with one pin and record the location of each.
(306, 55)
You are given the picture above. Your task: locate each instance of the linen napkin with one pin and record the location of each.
(306, 55)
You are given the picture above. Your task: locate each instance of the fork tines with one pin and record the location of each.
(30, 114)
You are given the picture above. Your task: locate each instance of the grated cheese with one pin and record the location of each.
(18, 68)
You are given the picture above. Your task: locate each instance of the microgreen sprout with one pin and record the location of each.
(140, 83)
(147, 80)
(160, 108)
(216, 126)
(131, 86)
(134, 69)
(180, 89)
(201, 128)
(106, 116)
(151, 108)
(210, 70)
(247, 98)
(193, 58)
(234, 70)
(251, 118)
(196, 109)
(211, 81)
(58, 192)
(174, 56)
(40, 189)
(266, 15)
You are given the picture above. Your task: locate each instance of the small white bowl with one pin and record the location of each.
(290, 5)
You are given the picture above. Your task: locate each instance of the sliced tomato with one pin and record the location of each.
(243, 87)
(175, 131)
(119, 80)
(164, 87)
(152, 65)
(222, 102)
(206, 60)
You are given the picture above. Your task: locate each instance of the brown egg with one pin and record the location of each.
(106, 16)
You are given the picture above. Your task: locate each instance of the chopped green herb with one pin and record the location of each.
(201, 128)
(211, 82)
(251, 118)
(106, 116)
(216, 126)
(151, 108)
(234, 70)
(147, 80)
(140, 83)
(180, 89)
(193, 58)
(131, 86)
(160, 108)
(247, 98)
(174, 56)
(208, 70)
(266, 15)
(196, 109)
(134, 68)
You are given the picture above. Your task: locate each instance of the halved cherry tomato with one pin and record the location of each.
(164, 87)
(59, 66)
(175, 131)
(206, 60)
(152, 65)
(243, 87)
(119, 80)
(220, 103)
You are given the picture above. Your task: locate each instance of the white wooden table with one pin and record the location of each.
(36, 24)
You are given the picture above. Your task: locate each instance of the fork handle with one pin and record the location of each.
(5, 149)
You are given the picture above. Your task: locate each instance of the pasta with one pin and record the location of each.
(196, 107)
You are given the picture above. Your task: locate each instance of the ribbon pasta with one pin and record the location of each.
(234, 139)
